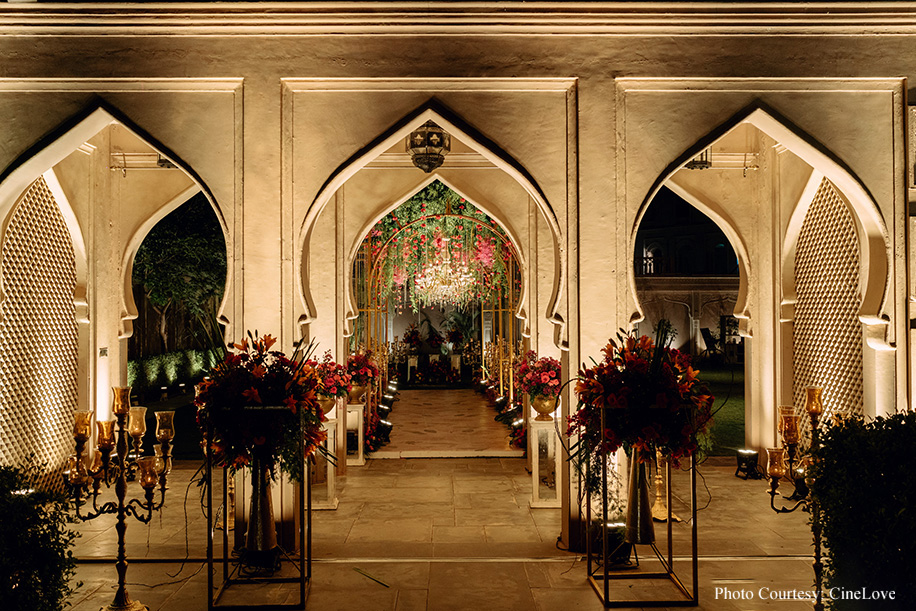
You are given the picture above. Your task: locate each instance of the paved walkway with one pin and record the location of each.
(450, 534)
(449, 423)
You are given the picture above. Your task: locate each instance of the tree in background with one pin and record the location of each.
(181, 268)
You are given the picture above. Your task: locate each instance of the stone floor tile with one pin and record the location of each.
(492, 586)
(459, 534)
(525, 533)
(412, 600)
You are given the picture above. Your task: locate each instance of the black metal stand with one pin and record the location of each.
(230, 568)
(600, 570)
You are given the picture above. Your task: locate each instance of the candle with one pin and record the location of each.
(137, 426)
(106, 434)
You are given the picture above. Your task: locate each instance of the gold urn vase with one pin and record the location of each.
(326, 403)
(544, 406)
(357, 392)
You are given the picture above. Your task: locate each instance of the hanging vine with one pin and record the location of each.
(435, 228)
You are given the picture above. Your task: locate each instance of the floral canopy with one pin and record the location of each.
(437, 249)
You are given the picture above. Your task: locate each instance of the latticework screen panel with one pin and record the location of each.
(827, 332)
(38, 336)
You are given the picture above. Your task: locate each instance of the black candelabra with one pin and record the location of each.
(784, 461)
(151, 471)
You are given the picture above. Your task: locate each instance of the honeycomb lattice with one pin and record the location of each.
(38, 336)
(827, 332)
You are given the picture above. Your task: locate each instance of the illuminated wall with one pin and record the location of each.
(38, 335)
(828, 334)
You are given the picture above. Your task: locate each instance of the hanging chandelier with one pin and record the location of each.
(445, 282)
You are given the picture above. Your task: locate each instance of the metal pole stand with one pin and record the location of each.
(602, 573)
(240, 589)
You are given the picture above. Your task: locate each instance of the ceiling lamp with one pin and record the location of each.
(428, 145)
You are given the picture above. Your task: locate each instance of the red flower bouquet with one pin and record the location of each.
(361, 368)
(333, 379)
(259, 404)
(650, 397)
(455, 337)
(412, 337)
(538, 376)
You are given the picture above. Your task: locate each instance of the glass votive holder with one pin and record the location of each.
(106, 440)
(137, 424)
(813, 404)
(146, 472)
(76, 471)
(776, 462)
(121, 402)
(788, 424)
(165, 426)
(82, 425)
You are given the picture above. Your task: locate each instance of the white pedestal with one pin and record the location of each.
(356, 422)
(545, 463)
(456, 362)
(324, 493)
(412, 364)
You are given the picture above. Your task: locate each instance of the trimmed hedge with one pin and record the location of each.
(865, 482)
(168, 369)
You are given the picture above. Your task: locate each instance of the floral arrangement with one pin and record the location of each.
(455, 337)
(651, 399)
(441, 372)
(518, 438)
(434, 340)
(373, 438)
(362, 368)
(259, 404)
(538, 376)
(333, 379)
(412, 337)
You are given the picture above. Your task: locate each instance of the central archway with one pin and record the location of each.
(476, 143)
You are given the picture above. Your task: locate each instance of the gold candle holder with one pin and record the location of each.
(106, 435)
(150, 475)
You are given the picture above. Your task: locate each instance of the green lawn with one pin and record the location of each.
(726, 382)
